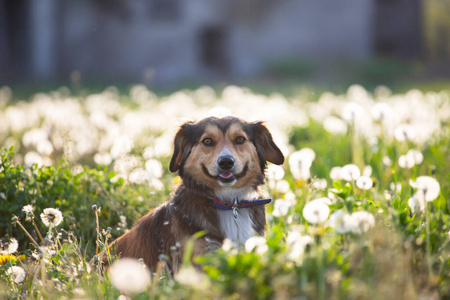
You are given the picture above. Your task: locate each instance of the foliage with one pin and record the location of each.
(385, 236)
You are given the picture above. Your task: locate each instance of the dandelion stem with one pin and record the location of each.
(428, 250)
(98, 231)
(29, 235)
(57, 239)
(37, 230)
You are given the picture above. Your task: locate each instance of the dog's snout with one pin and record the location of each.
(226, 162)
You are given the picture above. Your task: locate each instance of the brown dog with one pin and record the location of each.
(221, 162)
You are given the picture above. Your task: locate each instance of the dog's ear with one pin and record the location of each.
(266, 148)
(182, 146)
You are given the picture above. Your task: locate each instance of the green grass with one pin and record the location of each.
(402, 253)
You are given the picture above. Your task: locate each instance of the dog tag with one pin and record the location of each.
(235, 208)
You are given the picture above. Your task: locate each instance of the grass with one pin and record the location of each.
(111, 149)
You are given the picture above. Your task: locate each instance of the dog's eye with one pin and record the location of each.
(208, 142)
(239, 140)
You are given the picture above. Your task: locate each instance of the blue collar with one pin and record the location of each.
(237, 204)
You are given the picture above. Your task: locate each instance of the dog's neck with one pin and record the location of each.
(229, 194)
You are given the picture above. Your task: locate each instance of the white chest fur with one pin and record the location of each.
(238, 229)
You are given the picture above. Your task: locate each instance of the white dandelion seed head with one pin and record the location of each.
(274, 172)
(396, 187)
(416, 204)
(129, 276)
(350, 172)
(364, 183)
(282, 186)
(228, 245)
(281, 207)
(363, 221)
(317, 211)
(154, 168)
(8, 246)
(415, 155)
(291, 198)
(335, 173)
(335, 125)
(381, 111)
(300, 163)
(28, 209)
(320, 184)
(257, 243)
(367, 171)
(387, 161)
(189, 276)
(427, 187)
(17, 273)
(406, 162)
(352, 111)
(297, 243)
(51, 217)
(404, 132)
(341, 221)
(103, 159)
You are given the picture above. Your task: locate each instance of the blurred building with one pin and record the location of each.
(165, 41)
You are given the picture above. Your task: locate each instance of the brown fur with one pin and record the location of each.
(189, 210)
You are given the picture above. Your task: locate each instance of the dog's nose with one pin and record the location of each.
(225, 162)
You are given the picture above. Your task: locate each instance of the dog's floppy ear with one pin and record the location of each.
(266, 148)
(182, 146)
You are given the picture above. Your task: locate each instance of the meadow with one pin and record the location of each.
(361, 206)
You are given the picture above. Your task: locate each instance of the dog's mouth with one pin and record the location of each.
(226, 177)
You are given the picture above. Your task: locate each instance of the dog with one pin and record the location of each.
(221, 162)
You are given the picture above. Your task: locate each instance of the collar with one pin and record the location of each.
(238, 204)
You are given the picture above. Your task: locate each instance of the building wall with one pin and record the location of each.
(128, 40)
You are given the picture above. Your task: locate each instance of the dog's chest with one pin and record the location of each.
(238, 229)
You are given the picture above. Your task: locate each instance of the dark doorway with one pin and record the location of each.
(212, 49)
(398, 28)
(14, 26)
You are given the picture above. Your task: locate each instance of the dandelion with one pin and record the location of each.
(281, 207)
(274, 172)
(189, 276)
(257, 243)
(282, 186)
(17, 274)
(51, 217)
(227, 244)
(428, 186)
(297, 243)
(406, 161)
(416, 204)
(28, 209)
(362, 221)
(350, 172)
(8, 246)
(341, 222)
(386, 161)
(352, 111)
(300, 163)
(129, 276)
(367, 171)
(317, 211)
(404, 132)
(364, 183)
(396, 186)
(415, 155)
(381, 111)
(320, 184)
(335, 173)
(335, 125)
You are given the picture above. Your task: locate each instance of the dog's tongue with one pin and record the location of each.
(226, 175)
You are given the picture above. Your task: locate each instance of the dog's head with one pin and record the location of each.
(224, 152)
